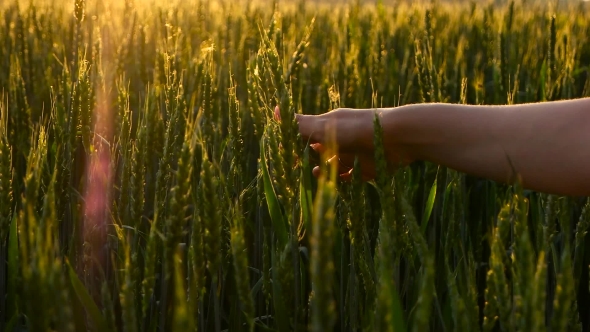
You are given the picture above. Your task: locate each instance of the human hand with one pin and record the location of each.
(353, 133)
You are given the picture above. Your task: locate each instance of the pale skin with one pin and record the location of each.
(547, 144)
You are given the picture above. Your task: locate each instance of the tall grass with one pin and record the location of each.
(146, 186)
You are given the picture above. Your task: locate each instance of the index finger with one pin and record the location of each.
(310, 128)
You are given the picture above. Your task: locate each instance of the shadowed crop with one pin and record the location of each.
(145, 184)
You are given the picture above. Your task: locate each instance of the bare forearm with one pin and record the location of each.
(546, 144)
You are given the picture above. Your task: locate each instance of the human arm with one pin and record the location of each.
(545, 143)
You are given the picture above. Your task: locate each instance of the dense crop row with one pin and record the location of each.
(146, 186)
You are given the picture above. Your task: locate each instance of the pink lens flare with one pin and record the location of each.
(99, 183)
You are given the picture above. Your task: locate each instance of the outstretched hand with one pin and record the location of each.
(491, 142)
(353, 133)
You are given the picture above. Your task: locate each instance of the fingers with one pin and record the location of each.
(318, 147)
(307, 125)
(350, 129)
(316, 171)
(345, 164)
(309, 128)
(313, 129)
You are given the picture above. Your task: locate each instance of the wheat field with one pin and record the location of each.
(146, 186)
